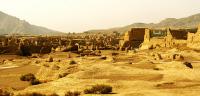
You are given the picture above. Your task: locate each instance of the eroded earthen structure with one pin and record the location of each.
(44, 45)
(145, 38)
(193, 40)
(132, 39)
(164, 38)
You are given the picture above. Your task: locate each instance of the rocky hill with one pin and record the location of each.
(187, 22)
(12, 25)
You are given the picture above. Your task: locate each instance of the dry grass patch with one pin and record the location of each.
(72, 62)
(99, 89)
(75, 93)
(31, 78)
(27, 77)
(37, 94)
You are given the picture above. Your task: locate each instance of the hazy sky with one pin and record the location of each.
(82, 15)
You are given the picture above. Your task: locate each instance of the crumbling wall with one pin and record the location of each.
(168, 38)
(179, 34)
(132, 39)
(151, 42)
(193, 40)
(137, 34)
(146, 44)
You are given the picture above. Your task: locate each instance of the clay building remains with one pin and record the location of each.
(132, 39)
(46, 44)
(193, 40)
(145, 38)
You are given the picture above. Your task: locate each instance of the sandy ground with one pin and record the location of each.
(10, 77)
(10, 71)
(130, 74)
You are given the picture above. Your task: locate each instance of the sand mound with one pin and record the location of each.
(177, 71)
(55, 70)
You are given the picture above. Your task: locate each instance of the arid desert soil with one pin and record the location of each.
(10, 72)
(10, 77)
(139, 73)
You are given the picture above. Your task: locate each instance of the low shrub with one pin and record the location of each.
(34, 56)
(5, 93)
(75, 93)
(50, 59)
(156, 69)
(31, 94)
(54, 94)
(46, 65)
(72, 62)
(55, 67)
(27, 77)
(188, 64)
(36, 94)
(99, 89)
(35, 82)
(31, 78)
(62, 75)
(114, 54)
(103, 58)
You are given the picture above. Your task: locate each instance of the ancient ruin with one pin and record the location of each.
(145, 38)
(140, 59)
(193, 40)
(132, 39)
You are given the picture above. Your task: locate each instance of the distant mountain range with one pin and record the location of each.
(183, 23)
(12, 25)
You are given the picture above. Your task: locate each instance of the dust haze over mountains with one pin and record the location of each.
(13, 25)
(139, 59)
(83, 15)
(186, 22)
